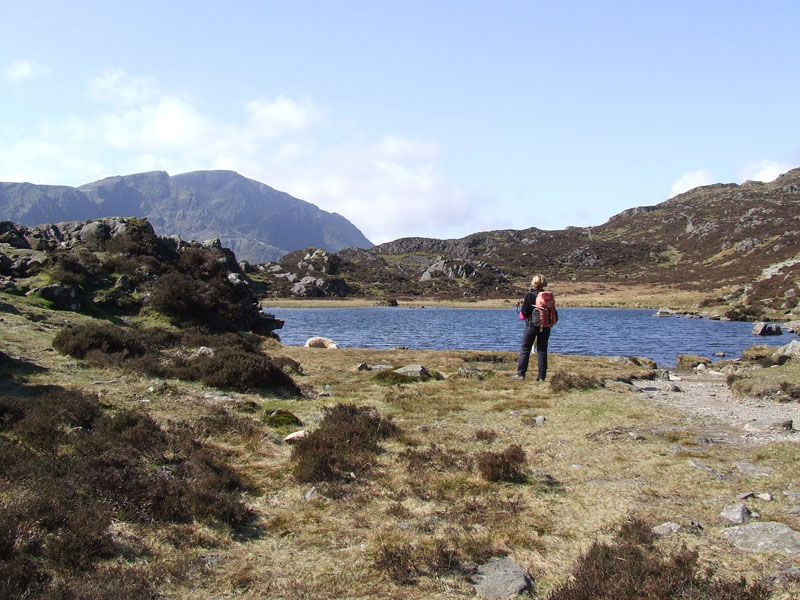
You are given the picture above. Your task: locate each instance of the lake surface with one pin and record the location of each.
(588, 331)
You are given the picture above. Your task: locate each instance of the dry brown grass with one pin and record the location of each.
(407, 525)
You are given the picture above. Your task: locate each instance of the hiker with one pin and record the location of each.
(539, 318)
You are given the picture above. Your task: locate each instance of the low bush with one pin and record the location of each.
(630, 566)
(508, 465)
(67, 468)
(281, 419)
(564, 382)
(345, 442)
(235, 363)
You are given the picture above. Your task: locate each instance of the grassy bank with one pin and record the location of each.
(568, 294)
(437, 475)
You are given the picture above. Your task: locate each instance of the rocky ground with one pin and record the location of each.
(709, 402)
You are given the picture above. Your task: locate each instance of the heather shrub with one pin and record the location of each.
(630, 566)
(236, 363)
(345, 442)
(101, 336)
(508, 465)
(564, 382)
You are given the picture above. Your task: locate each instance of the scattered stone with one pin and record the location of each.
(157, 386)
(754, 470)
(362, 367)
(382, 367)
(738, 513)
(635, 435)
(205, 351)
(793, 511)
(676, 389)
(413, 371)
(666, 528)
(310, 494)
(746, 495)
(502, 577)
(539, 420)
(295, 437)
(765, 537)
(765, 497)
(719, 354)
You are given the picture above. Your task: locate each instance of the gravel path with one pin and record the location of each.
(739, 421)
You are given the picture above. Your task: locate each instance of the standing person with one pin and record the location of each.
(534, 334)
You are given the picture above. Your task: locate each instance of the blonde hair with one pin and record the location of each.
(538, 282)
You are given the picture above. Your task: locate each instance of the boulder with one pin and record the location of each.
(791, 349)
(320, 342)
(762, 328)
(64, 296)
(413, 371)
(295, 437)
(502, 577)
(737, 513)
(666, 528)
(765, 537)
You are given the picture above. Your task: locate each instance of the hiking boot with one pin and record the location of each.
(520, 377)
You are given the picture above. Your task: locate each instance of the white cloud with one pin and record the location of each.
(281, 115)
(691, 180)
(763, 170)
(389, 187)
(117, 86)
(26, 69)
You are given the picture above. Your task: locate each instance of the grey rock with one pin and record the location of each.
(763, 328)
(310, 494)
(64, 296)
(765, 497)
(666, 528)
(737, 513)
(413, 371)
(362, 367)
(381, 367)
(765, 537)
(502, 577)
(791, 349)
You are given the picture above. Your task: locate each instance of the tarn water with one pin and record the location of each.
(586, 331)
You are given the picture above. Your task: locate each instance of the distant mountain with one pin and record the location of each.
(256, 221)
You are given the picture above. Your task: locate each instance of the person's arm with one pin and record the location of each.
(527, 304)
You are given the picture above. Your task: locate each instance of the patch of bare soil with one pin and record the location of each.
(722, 416)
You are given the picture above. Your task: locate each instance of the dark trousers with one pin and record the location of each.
(529, 336)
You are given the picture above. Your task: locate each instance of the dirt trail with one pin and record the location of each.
(740, 421)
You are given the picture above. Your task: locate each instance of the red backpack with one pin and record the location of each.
(544, 313)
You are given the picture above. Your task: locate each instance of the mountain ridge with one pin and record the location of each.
(255, 220)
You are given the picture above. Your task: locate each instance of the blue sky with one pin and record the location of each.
(434, 118)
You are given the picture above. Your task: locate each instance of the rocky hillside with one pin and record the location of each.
(118, 268)
(254, 220)
(740, 244)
